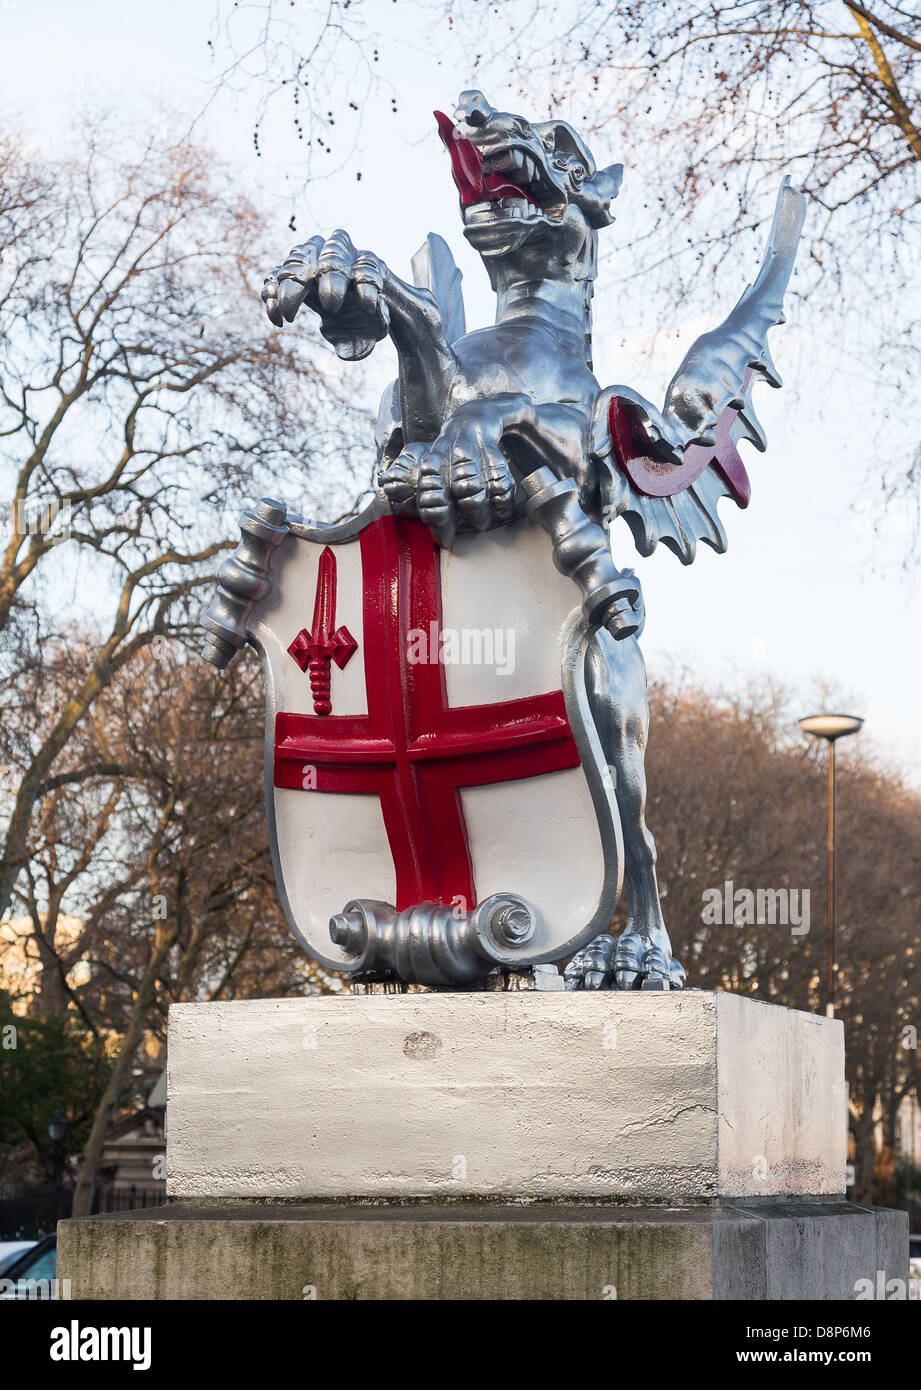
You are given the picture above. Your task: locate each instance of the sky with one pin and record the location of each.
(807, 594)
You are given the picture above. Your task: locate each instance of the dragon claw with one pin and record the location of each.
(631, 962)
(593, 966)
(643, 964)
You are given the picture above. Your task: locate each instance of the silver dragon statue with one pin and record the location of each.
(484, 428)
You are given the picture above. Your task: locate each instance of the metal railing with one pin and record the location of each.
(34, 1212)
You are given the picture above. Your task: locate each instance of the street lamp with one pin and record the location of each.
(58, 1126)
(831, 727)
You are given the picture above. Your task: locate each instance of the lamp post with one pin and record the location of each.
(58, 1126)
(831, 727)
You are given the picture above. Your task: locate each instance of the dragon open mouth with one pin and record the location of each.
(500, 183)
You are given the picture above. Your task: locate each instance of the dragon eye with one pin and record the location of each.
(523, 128)
(577, 173)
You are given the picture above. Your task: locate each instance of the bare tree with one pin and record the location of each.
(322, 63)
(708, 103)
(737, 801)
(139, 394)
(152, 882)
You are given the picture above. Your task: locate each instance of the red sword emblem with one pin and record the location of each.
(314, 649)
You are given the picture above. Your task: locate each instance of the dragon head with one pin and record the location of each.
(526, 187)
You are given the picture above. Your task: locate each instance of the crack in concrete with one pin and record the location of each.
(668, 1119)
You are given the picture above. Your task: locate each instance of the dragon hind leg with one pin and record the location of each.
(642, 957)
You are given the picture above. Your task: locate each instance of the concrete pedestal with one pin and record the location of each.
(484, 1251)
(513, 1145)
(644, 1097)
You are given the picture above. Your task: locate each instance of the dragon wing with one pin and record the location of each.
(665, 471)
(434, 269)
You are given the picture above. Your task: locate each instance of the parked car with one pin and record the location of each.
(914, 1266)
(33, 1274)
(10, 1251)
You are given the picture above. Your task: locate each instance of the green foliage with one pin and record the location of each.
(46, 1064)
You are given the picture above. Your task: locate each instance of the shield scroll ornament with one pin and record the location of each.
(438, 800)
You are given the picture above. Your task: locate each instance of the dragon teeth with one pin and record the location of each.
(504, 209)
(507, 161)
(488, 212)
(528, 168)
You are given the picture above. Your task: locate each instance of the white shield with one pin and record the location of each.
(428, 734)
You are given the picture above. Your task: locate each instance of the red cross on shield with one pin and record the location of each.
(445, 761)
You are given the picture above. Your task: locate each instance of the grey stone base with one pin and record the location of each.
(484, 1250)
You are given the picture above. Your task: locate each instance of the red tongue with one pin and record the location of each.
(467, 168)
